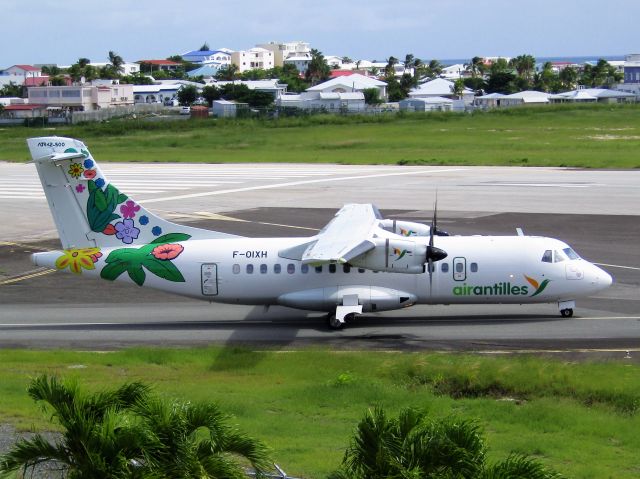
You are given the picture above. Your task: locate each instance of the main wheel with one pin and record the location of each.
(333, 322)
(566, 313)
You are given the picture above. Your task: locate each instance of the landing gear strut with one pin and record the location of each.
(566, 313)
(336, 324)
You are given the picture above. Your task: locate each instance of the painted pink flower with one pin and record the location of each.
(167, 251)
(80, 188)
(129, 209)
(95, 257)
(89, 174)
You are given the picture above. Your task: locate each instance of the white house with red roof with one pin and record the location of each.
(25, 71)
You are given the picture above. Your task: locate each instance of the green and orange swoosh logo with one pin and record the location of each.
(539, 286)
(399, 253)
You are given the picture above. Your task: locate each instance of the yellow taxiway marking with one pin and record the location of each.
(30, 275)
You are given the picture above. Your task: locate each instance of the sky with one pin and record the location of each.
(61, 31)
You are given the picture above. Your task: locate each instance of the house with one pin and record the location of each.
(491, 100)
(23, 111)
(289, 50)
(527, 97)
(163, 91)
(593, 95)
(254, 58)
(453, 72)
(164, 65)
(301, 61)
(272, 86)
(24, 71)
(207, 70)
(222, 56)
(632, 68)
(227, 109)
(83, 97)
(351, 83)
(332, 102)
(434, 103)
(443, 88)
(26, 75)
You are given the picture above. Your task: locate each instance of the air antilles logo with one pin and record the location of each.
(405, 232)
(539, 286)
(501, 289)
(400, 253)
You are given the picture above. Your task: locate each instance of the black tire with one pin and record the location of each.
(333, 323)
(566, 313)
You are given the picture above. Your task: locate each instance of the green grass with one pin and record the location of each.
(580, 418)
(592, 136)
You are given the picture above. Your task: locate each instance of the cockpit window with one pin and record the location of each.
(558, 256)
(571, 254)
(547, 257)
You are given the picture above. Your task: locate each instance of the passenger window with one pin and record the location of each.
(318, 269)
(291, 268)
(249, 269)
(360, 270)
(346, 268)
(547, 257)
(263, 268)
(236, 269)
(304, 268)
(277, 268)
(474, 267)
(332, 268)
(445, 267)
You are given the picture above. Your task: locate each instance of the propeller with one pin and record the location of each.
(433, 254)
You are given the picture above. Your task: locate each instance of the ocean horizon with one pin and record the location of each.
(575, 59)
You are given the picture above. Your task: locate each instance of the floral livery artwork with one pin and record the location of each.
(77, 259)
(156, 257)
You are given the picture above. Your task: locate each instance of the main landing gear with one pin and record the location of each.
(335, 323)
(566, 308)
(344, 312)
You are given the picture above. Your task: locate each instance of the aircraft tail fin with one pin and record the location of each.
(90, 211)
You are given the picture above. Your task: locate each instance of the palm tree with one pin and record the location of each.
(524, 65)
(476, 67)
(389, 70)
(98, 438)
(413, 445)
(116, 62)
(194, 440)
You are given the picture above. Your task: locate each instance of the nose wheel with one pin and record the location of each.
(566, 313)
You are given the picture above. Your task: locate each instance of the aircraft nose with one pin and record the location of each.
(603, 279)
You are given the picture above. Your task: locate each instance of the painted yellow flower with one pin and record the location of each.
(75, 170)
(76, 259)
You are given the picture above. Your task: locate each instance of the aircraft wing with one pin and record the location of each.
(347, 235)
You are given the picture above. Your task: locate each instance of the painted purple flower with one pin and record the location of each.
(144, 220)
(80, 188)
(156, 230)
(129, 209)
(99, 182)
(126, 231)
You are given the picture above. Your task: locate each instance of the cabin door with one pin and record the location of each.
(209, 278)
(459, 268)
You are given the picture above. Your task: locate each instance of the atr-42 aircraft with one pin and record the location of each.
(357, 263)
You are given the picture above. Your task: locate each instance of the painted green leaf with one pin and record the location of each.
(92, 186)
(541, 288)
(128, 255)
(112, 193)
(85, 153)
(137, 274)
(171, 238)
(71, 150)
(122, 198)
(100, 200)
(113, 270)
(164, 269)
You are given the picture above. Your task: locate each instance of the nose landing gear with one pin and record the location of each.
(566, 308)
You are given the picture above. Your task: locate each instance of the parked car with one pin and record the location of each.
(185, 110)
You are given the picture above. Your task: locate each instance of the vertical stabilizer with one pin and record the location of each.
(88, 210)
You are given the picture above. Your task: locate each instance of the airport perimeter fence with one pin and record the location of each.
(116, 112)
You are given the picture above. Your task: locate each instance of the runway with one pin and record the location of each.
(594, 211)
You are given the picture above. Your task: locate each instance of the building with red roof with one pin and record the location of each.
(166, 65)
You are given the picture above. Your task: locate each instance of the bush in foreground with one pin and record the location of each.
(416, 446)
(129, 433)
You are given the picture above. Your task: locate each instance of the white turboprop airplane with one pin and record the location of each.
(357, 263)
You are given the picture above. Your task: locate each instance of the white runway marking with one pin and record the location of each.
(617, 266)
(295, 183)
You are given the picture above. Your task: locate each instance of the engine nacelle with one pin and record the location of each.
(372, 298)
(394, 256)
(405, 228)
